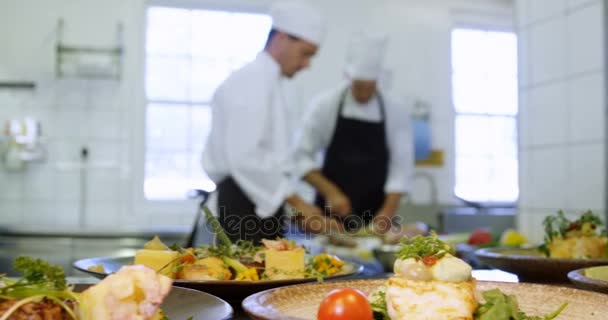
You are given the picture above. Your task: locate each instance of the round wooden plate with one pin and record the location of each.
(301, 301)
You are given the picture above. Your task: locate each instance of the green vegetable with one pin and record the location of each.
(40, 280)
(378, 303)
(217, 228)
(39, 277)
(420, 247)
(242, 272)
(225, 247)
(559, 226)
(499, 306)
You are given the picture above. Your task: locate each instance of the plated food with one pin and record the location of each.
(430, 283)
(134, 292)
(227, 270)
(568, 245)
(278, 259)
(594, 278)
(584, 238)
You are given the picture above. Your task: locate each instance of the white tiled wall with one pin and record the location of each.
(547, 50)
(587, 109)
(74, 113)
(585, 50)
(106, 116)
(562, 110)
(543, 101)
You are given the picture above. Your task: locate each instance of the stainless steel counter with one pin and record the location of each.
(63, 247)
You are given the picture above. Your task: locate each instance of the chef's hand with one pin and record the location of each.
(306, 209)
(338, 203)
(315, 222)
(311, 218)
(383, 222)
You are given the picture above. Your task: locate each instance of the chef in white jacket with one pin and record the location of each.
(247, 153)
(366, 139)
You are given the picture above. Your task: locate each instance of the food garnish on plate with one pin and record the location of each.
(134, 292)
(431, 283)
(584, 238)
(276, 259)
(283, 259)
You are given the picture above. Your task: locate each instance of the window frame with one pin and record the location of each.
(464, 20)
(141, 205)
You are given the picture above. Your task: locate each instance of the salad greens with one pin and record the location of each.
(40, 280)
(39, 277)
(558, 226)
(421, 247)
(378, 303)
(499, 306)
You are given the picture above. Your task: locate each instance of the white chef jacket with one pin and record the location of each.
(251, 134)
(320, 123)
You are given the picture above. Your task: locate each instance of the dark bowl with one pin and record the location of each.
(385, 254)
(580, 280)
(531, 265)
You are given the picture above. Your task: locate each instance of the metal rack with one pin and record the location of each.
(88, 62)
(17, 85)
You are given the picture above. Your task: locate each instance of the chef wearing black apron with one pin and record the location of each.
(357, 162)
(247, 153)
(237, 215)
(366, 139)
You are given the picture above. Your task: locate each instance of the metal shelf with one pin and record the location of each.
(17, 85)
(86, 61)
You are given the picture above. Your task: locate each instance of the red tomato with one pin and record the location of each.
(345, 304)
(187, 258)
(429, 261)
(480, 237)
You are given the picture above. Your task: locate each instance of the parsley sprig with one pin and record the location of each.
(420, 247)
(558, 226)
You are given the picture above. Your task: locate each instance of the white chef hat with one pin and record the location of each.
(298, 19)
(365, 56)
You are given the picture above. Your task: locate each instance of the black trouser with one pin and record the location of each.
(238, 218)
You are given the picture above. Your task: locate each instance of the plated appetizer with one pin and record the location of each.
(274, 260)
(278, 259)
(431, 283)
(134, 292)
(584, 238)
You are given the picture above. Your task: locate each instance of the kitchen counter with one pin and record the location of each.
(64, 246)
(117, 232)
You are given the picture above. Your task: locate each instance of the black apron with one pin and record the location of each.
(357, 162)
(238, 218)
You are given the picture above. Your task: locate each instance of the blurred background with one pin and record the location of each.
(105, 111)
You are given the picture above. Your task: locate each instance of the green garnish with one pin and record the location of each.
(38, 276)
(217, 228)
(499, 306)
(559, 226)
(40, 280)
(420, 247)
(378, 303)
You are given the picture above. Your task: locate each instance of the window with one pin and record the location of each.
(484, 93)
(188, 54)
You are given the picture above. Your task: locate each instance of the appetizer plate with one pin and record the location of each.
(581, 279)
(531, 265)
(183, 303)
(534, 299)
(231, 290)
